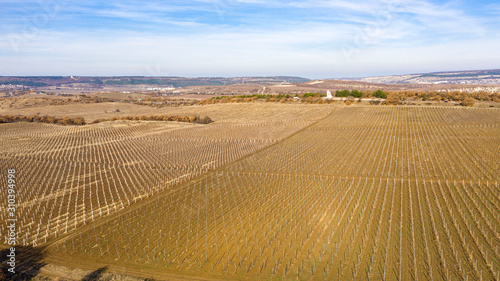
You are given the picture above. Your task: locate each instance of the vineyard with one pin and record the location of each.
(318, 193)
(73, 175)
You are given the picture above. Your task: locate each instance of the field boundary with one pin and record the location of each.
(129, 270)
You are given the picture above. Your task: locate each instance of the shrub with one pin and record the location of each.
(79, 120)
(468, 102)
(66, 121)
(380, 94)
(204, 120)
(393, 99)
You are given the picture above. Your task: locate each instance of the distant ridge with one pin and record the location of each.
(176, 82)
(469, 77)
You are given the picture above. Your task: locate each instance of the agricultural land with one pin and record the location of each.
(265, 185)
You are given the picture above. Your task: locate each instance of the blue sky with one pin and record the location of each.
(311, 38)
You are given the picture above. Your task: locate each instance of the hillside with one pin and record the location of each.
(175, 82)
(475, 77)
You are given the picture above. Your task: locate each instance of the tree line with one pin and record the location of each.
(80, 121)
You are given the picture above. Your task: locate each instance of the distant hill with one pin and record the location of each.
(175, 82)
(473, 77)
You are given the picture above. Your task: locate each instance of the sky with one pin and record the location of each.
(312, 38)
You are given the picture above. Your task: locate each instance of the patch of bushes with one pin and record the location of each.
(247, 99)
(347, 93)
(79, 121)
(187, 119)
(391, 98)
(455, 96)
(316, 95)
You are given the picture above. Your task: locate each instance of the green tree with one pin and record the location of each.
(357, 94)
(380, 94)
(343, 93)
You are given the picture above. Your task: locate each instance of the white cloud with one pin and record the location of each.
(402, 35)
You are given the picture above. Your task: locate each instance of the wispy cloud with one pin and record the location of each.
(147, 17)
(238, 37)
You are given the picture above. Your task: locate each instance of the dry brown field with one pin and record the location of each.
(266, 192)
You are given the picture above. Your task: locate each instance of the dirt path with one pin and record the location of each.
(135, 270)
